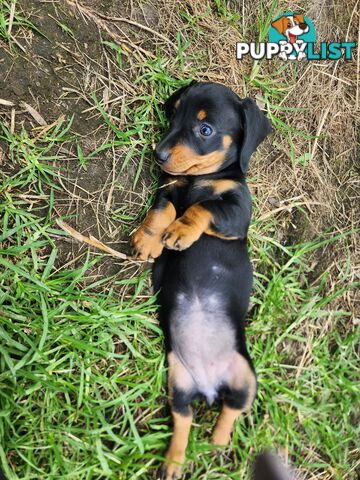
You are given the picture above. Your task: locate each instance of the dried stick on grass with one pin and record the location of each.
(288, 208)
(12, 121)
(6, 103)
(11, 17)
(36, 115)
(139, 25)
(94, 242)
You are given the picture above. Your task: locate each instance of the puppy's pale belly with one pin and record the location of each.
(203, 340)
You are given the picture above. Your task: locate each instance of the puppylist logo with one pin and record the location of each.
(292, 36)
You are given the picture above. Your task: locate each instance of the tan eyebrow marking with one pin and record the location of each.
(201, 115)
(177, 103)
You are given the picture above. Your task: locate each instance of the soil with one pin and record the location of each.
(50, 78)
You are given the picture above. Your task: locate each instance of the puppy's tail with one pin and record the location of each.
(270, 467)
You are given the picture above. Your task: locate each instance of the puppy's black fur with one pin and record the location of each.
(197, 231)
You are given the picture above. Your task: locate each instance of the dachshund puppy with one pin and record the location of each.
(196, 231)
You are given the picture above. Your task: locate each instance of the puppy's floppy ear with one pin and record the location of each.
(255, 128)
(170, 103)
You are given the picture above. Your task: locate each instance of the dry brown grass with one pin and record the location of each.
(306, 185)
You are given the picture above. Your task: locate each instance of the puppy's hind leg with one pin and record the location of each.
(239, 394)
(181, 389)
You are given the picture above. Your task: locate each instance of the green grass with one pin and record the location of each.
(82, 372)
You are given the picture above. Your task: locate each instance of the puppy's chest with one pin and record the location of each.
(189, 192)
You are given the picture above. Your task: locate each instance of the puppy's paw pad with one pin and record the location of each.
(179, 236)
(146, 246)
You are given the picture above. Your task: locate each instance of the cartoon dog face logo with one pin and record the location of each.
(291, 26)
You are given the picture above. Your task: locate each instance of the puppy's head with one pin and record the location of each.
(210, 128)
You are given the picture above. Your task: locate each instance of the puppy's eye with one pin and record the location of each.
(205, 130)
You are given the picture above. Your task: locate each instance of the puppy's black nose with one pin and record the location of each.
(303, 26)
(163, 155)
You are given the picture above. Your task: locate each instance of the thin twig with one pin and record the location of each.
(288, 208)
(6, 103)
(139, 25)
(36, 115)
(92, 241)
(12, 121)
(11, 17)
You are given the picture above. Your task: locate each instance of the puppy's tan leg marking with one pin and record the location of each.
(182, 233)
(147, 239)
(241, 378)
(224, 425)
(178, 375)
(212, 232)
(175, 456)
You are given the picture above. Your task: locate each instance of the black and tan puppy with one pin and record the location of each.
(197, 231)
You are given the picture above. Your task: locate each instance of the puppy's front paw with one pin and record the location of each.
(146, 244)
(179, 236)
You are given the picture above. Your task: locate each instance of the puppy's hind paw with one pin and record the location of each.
(169, 472)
